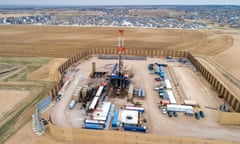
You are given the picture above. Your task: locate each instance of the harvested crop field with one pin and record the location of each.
(63, 41)
(47, 72)
(9, 98)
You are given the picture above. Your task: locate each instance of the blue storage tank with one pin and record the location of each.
(115, 122)
(135, 128)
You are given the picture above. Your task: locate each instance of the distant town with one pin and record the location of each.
(179, 17)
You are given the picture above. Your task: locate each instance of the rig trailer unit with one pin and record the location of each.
(93, 126)
(139, 109)
(135, 128)
(190, 103)
(96, 98)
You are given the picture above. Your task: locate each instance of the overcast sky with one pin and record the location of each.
(119, 2)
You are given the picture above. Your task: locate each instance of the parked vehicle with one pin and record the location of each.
(164, 102)
(162, 65)
(164, 110)
(175, 114)
(220, 96)
(161, 91)
(72, 104)
(170, 114)
(158, 79)
(150, 66)
(197, 115)
(202, 114)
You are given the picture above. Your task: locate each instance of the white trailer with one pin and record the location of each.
(94, 103)
(179, 108)
(171, 97)
(168, 84)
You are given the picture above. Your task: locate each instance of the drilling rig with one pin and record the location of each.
(119, 79)
(121, 49)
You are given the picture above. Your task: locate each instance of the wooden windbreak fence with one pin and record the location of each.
(117, 137)
(228, 118)
(122, 137)
(229, 97)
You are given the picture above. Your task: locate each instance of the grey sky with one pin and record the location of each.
(118, 2)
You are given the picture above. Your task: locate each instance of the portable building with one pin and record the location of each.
(129, 117)
(191, 103)
(130, 92)
(101, 113)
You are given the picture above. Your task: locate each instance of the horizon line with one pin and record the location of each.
(71, 5)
